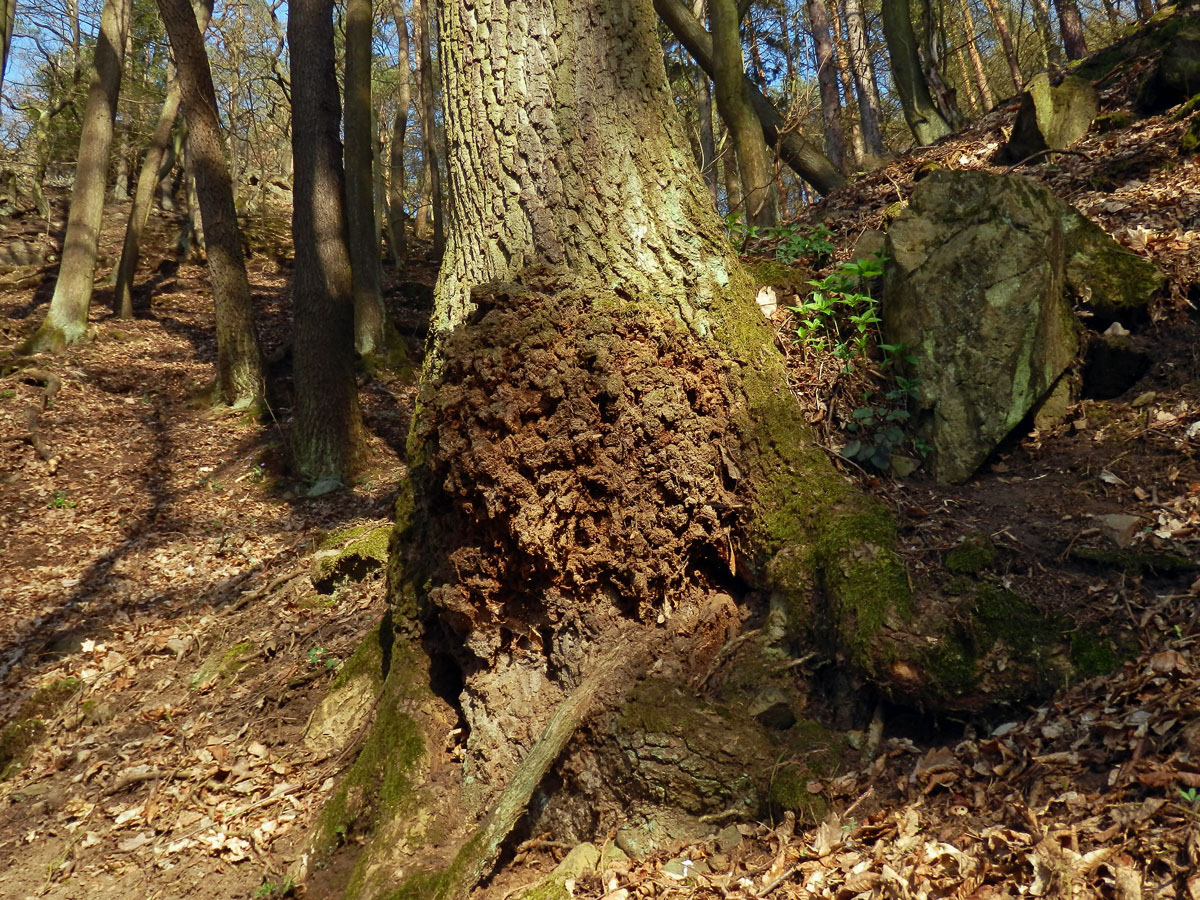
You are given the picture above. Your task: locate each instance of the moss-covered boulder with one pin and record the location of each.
(1113, 282)
(349, 554)
(1051, 117)
(1176, 75)
(975, 292)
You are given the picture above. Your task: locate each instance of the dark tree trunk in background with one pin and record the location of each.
(326, 438)
(1071, 24)
(920, 112)
(427, 85)
(1006, 41)
(831, 108)
(398, 174)
(1051, 51)
(150, 174)
(708, 142)
(804, 157)
(241, 382)
(981, 80)
(864, 81)
(66, 321)
(8, 16)
(360, 182)
(733, 102)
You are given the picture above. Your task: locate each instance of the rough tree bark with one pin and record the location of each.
(733, 102)
(1071, 25)
(804, 157)
(366, 273)
(920, 112)
(708, 140)
(241, 380)
(326, 438)
(617, 525)
(66, 321)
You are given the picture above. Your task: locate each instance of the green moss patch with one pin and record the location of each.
(975, 554)
(224, 665)
(349, 554)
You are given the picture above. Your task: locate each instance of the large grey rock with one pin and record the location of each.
(1050, 117)
(976, 292)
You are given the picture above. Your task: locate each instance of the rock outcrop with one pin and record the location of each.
(1050, 117)
(978, 290)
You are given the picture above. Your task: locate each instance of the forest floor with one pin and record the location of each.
(158, 616)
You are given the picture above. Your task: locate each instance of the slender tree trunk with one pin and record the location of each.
(149, 176)
(804, 157)
(733, 101)
(326, 439)
(427, 85)
(935, 41)
(1145, 9)
(842, 55)
(66, 322)
(965, 77)
(1071, 25)
(8, 16)
(864, 82)
(831, 109)
(708, 142)
(360, 183)
(422, 217)
(731, 177)
(920, 112)
(156, 167)
(120, 187)
(981, 80)
(240, 372)
(1006, 41)
(397, 182)
(1051, 51)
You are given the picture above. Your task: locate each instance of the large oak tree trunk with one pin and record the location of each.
(617, 523)
(66, 321)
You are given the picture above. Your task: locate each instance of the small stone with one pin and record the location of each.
(1144, 399)
(1119, 528)
(728, 838)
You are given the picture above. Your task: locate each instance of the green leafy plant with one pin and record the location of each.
(58, 500)
(319, 656)
(839, 315)
(1191, 795)
(795, 244)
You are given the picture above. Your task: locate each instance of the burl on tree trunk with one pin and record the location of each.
(618, 533)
